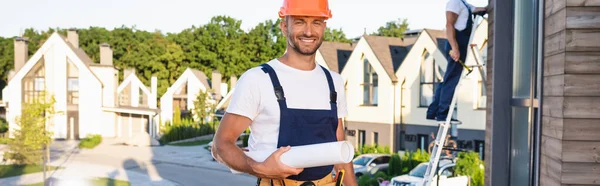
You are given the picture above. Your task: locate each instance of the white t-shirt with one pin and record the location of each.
(254, 98)
(458, 7)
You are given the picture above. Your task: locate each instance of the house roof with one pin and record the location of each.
(390, 51)
(336, 54)
(201, 77)
(438, 37)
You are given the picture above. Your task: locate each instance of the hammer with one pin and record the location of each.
(463, 64)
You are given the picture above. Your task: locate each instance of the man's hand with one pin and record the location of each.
(272, 168)
(349, 178)
(455, 54)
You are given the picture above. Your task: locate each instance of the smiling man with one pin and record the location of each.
(288, 101)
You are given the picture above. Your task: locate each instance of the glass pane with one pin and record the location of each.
(523, 47)
(367, 70)
(426, 94)
(73, 84)
(520, 151)
(366, 95)
(375, 90)
(39, 84)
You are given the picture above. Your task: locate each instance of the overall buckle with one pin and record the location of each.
(333, 97)
(279, 93)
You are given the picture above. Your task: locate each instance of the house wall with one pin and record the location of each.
(55, 53)
(166, 101)
(383, 130)
(109, 78)
(571, 88)
(383, 112)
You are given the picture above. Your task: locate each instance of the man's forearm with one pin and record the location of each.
(232, 156)
(451, 35)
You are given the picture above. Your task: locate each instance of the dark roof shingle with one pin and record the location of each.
(336, 54)
(390, 51)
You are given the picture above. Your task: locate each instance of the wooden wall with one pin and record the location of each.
(571, 107)
(488, 83)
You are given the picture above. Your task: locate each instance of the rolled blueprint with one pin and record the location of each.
(307, 156)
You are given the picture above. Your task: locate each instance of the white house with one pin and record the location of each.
(85, 91)
(390, 83)
(182, 94)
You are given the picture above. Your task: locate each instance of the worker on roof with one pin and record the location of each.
(288, 101)
(459, 25)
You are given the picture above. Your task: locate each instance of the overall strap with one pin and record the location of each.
(332, 92)
(276, 85)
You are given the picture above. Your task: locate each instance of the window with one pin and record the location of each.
(423, 142)
(431, 77)
(375, 138)
(370, 82)
(142, 99)
(72, 83)
(34, 83)
(361, 138)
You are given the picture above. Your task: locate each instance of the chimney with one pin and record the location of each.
(127, 72)
(21, 53)
(73, 37)
(233, 81)
(106, 54)
(216, 84)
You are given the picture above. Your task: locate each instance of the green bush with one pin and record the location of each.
(3, 125)
(372, 149)
(90, 141)
(395, 166)
(469, 164)
(185, 130)
(411, 159)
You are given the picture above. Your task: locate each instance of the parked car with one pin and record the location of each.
(445, 172)
(365, 163)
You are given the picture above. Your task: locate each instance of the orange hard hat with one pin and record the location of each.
(318, 8)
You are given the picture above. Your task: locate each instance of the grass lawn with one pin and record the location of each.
(192, 143)
(99, 182)
(16, 170)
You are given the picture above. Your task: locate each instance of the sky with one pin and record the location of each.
(354, 17)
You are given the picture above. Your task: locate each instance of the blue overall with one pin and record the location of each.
(442, 99)
(306, 126)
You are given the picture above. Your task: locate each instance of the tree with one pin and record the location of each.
(204, 106)
(336, 35)
(393, 28)
(33, 134)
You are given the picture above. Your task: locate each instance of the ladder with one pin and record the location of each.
(440, 140)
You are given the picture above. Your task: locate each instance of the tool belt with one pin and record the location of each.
(325, 181)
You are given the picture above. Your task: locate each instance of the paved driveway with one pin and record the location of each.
(163, 165)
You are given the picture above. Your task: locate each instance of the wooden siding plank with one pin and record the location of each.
(581, 151)
(582, 107)
(553, 6)
(581, 85)
(552, 147)
(581, 40)
(555, 64)
(580, 173)
(580, 63)
(550, 167)
(554, 85)
(555, 22)
(553, 106)
(581, 129)
(554, 44)
(552, 127)
(581, 17)
(583, 2)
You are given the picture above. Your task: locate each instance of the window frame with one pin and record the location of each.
(423, 78)
(373, 95)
